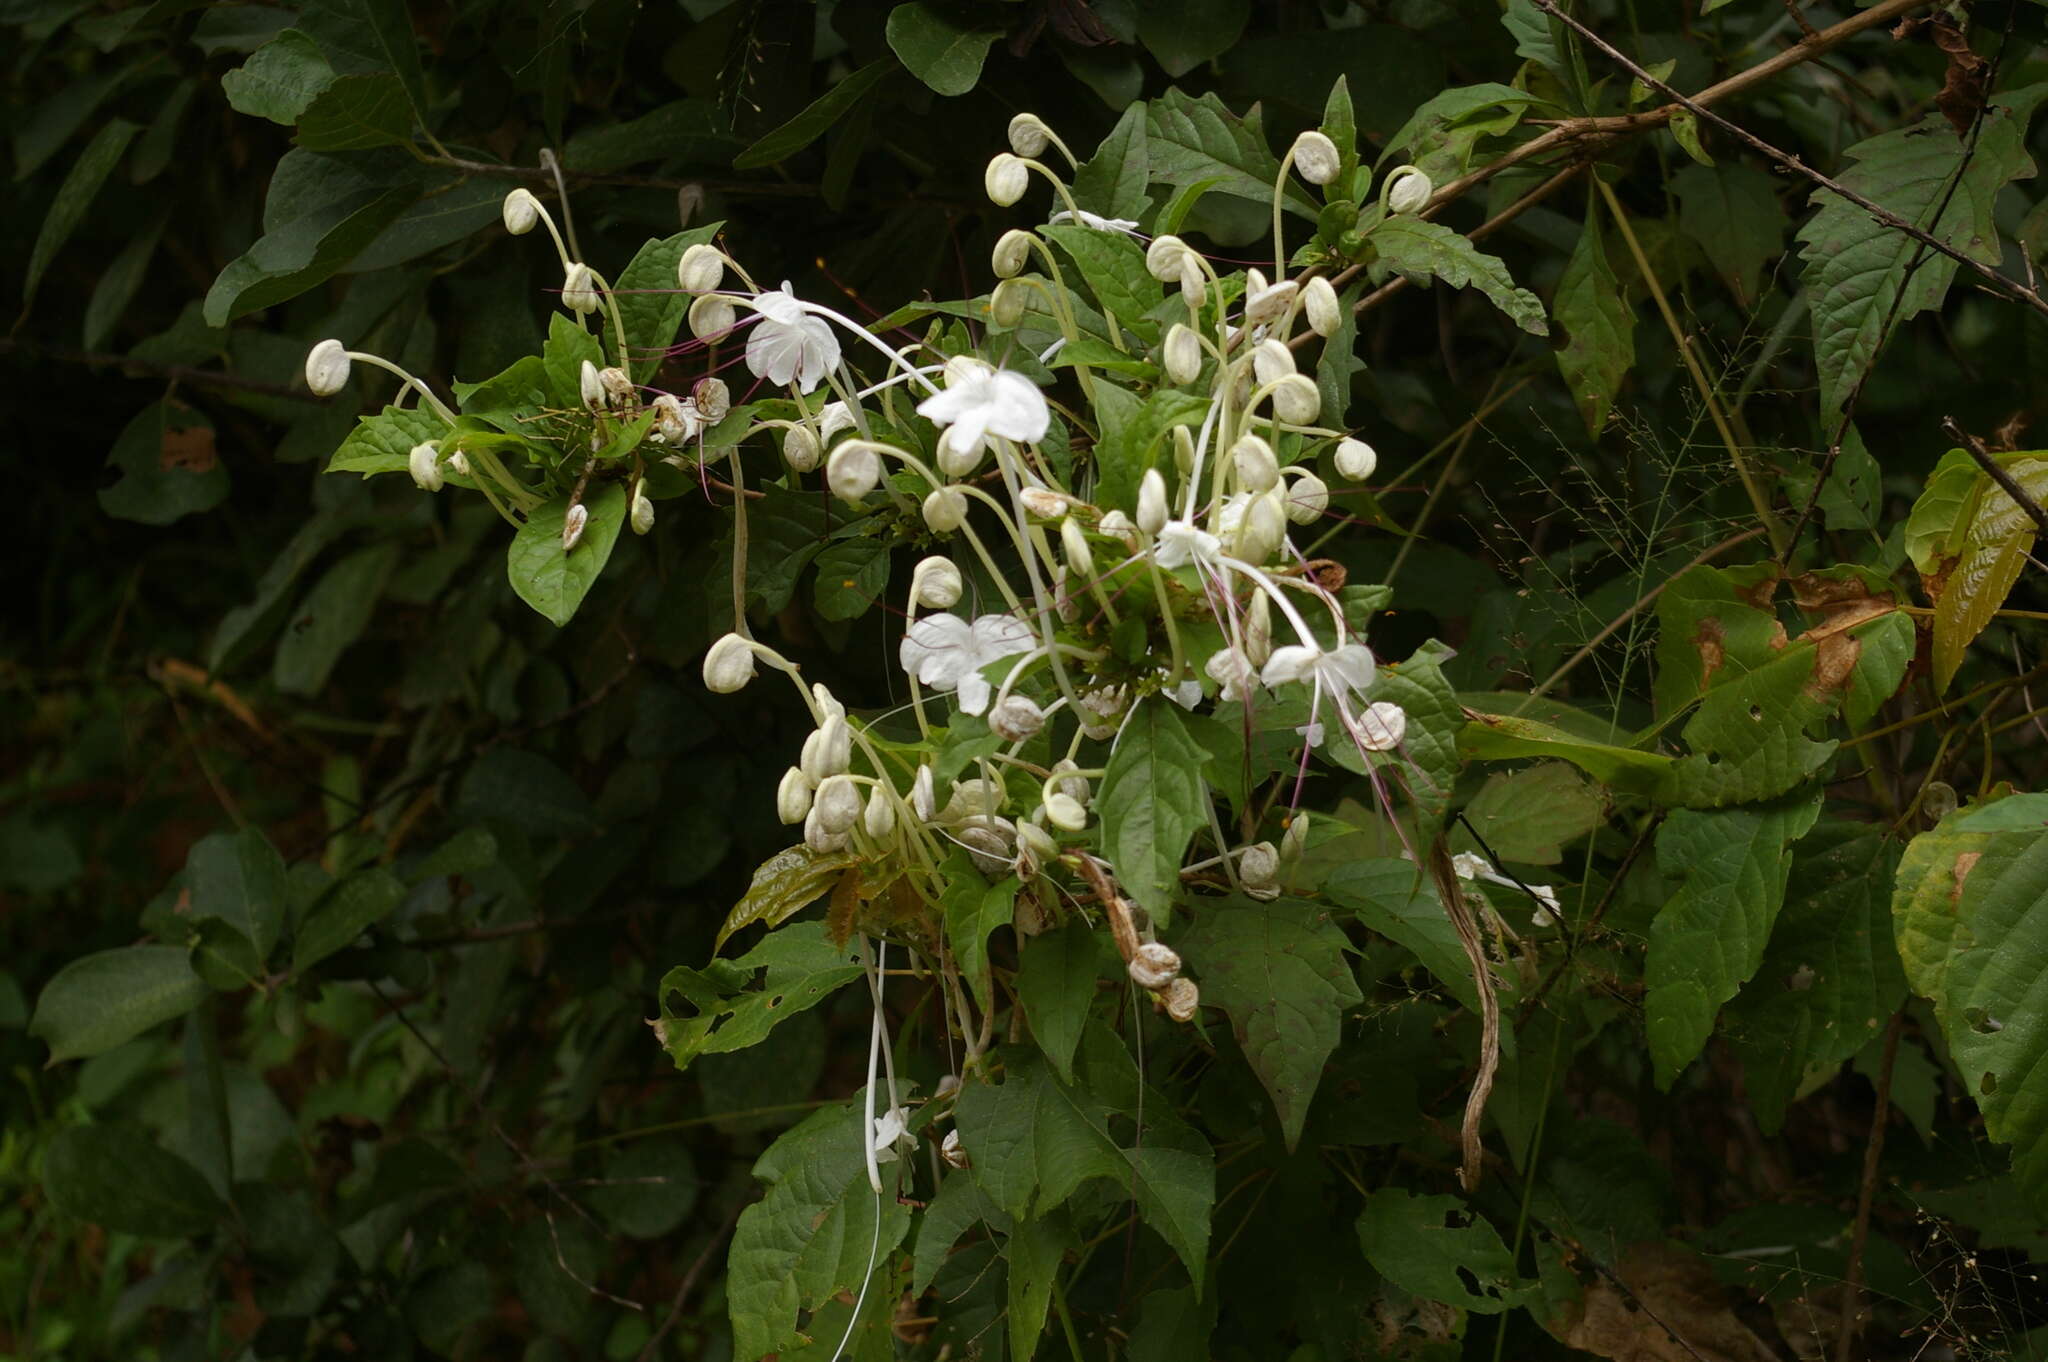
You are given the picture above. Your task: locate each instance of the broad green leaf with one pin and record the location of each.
(240, 879)
(808, 126)
(973, 909)
(959, 1206)
(1394, 898)
(332, 616)
(168, 467)
(1182, 34)
(650, 305)
(1427, 761)
(1732, 211)
(1504, 737)
(74, 197)
(1114, 267)
(382, 443)
(1112, 182)
(1831, 974)
(690, 129)
(1539, 38)
(280, 80)
(120, 1178)
(344, 913)
(554, 582)
(1970, 915)
(1856, 267)
(799, 968)
(1152, 801)
(110, 997)
(1438, 1248)
(468, 851)
(811, 1235)
(1192, 140)
(937, 48)
(453, 210)
(1279, 970)
(1599, 327)
(853, 573)
(1531, 815)
(1033, 1251)
(1441, 135)
(528, 791)
(1730, 866)
(653, 1186)
(356, 113)
(118, 286)
(366, 37)
(1941, 515)
(784, 885)
(1056, 976)
(307, 249)
(1420, 250)
(1137, 435)
(1971, 540)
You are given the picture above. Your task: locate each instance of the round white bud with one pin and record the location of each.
(521, 211)
(1183, 354)
(922, 802)
(458, 464)
(579, 289)
(1272, 360)
(1319, 304)
(828, 750)
(643, 510)
(837, 806)
(1258, 629)
(424, 463)
(1116, 525)
(1295, 840)
(1258, 865)
(1257, 468)
(1012, 253)
(1409, 191)
(880, 817)
(800, 449)
(1356, 459)
(935, 583)
(1015, 718)
(1264, 529)
(327, 366)
(853, 471)
(1315, 156)
(1066, 812)
(711, 316)
(619, 391)
(572, 526)
(1154, 966)
(1381, 726)
(1307, 499)
(945, 509)
(819, 838)
(1297, 400)
(700, 269)
(1152, 510)
(1028, 134)
(1194, 282)
(1007, 304)
(1042, 503)
(1080, 560)
(674, 421)
(1163, 258)
(729, 664)
(793, 797)
(1006, 179)
(1267, 302)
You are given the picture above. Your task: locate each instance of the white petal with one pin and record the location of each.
(1018, 410)
(1294, 662)
(1000, 636)
(973, 694)
(779, 305)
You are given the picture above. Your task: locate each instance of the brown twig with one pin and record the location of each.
(1975, 448)
(1866, 1192)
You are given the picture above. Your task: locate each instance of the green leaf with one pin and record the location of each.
(1114, 266)
(453, 210)
(118, 285)
(240, 879)
(365, 37)
(1056, 977)
(1730, 866)
(1192, 140)
(1437, 1248)
(1830, 976)
(331, 617)
(344, 913)
(1732, 211)
(283, 77)
(1428, 760)
(1393, 898)
(1685, 130)
(528, 791)
(1136, 435)
(808, 126)
(554, 582)
(1504, 737)
(1970, 915)
(1539, 38)
(654, 1186)
(687, 129)
(1856, 267)
(1339, 363)
(1599, 327)
(168, 467)
(383, 443)
(1531, 815)
(356, 113)
(307, 249)
(1034, 1251)
(974, 908)
(1280, 972)
(1420, 250)
(74, 197)
(567, 347)
(107, 998)
(1971, 540)
(937, 48)
(118, 1177)
(852, 576)
(810, 1235)
(958, 1206)
(1152, 801)
(799, 968)
(650, 305)
(1182, 34)
(784, 885)
(1440, 137)
(1112, 182)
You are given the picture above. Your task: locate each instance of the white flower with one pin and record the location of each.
(1088, 219)
(675, 420)
(424, 463)
(935, 583)
(1028, 134)
(1319, 303)
(1006, 179)
(1152, 511)
(700, 269)
(327, 366)
(1356, 459)
(579, 292)
(789, 345)
(833, 417)
(729, 664)
(1315, 156)
(947, 653)
(983, 402)
(1341, 671)
(1310, 733)
(522, 212)
(1233, 673)
(1380, 726)
(1181, 542)
(572, 526)
(1470, 865)
(1186, 694)
(1409, 191)
(945, 509)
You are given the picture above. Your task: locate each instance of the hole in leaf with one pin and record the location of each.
(1988, 1084)
(1756, 712)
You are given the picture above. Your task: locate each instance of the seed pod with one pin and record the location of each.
(327, 366)
(729, 664)
(793, 797)
(1315, 156)
(1356, 459)
(1154, 966)
(1183, 999)
(701, 269)
(1006, 179)
(1035, 843)
(572, 526)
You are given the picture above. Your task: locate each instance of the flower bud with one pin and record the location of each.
(800, 449)
(1006, 306)
(1315, 156)
(1012, 253)
(1307, 499)
(1043, 503)
(1272, 361)
(935, 583)
(1295, 840)
(1184, 451)
(1028, 134)
(1257, 469)
(593, 387)
(327, 366)
(945, 509)
(1116, 525)
(1152, 510)
(1409, 191)
(921, 801)
(424, 463)
(1356, 459)
(1035, 847)
(988, 841)
(1264, 529)
(711, 316)
(675, 423)
(1182, 998)
(522, 212)
(1183, 354)
(951, 1152)
(572, 526)
(1258, 866)
(579, 292)
(1296, 400)
(1319, 304)
(458, 464)
(713, 399)
(1015, 718)
(1381, 726)
(958, 456)
(1194, 281)
(834, 418)
(837, 806)
(729, 665)
(828, 750)
(1154, 965)
(793, 797)
(1006, 179)
(853, 471)
(701, 269)
(880, 817)
(643, 510)
(1066, 812)
(619, 391)
(819, 838)
(1265, 302)
(1080, 560)
(1163, 257)
(1258, 629)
